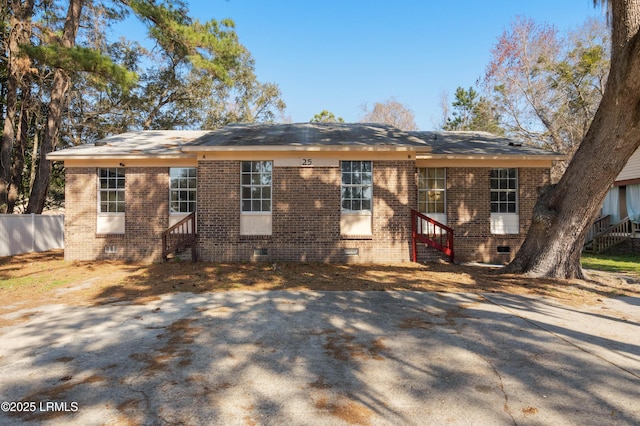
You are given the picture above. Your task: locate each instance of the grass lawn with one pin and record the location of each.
(625, 263)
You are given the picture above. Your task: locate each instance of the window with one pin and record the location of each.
(182, 190)
(504, 190)
(255, 184)
(111, 190)
(357, 188)
(431, 190)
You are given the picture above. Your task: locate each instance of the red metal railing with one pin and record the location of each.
(432, 233)
(180, 236)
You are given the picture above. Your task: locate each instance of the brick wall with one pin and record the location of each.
(81, 189)
(218, 211)
(146, 215)
(305, 215)
(146, 212)
(469, 212)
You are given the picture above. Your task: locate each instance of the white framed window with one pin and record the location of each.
(356, 198)
(504, 201)
(255, 186)
(357, 186)
(432, 187)
(504, 190)
(182, 190)
(111, 190)
(255, 197)
(111, 196)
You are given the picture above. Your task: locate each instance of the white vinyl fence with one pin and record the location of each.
(21, 233)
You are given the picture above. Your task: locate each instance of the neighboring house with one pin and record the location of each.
(328, 192)
(620, 214)
(623, 199)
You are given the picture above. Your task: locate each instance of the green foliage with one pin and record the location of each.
(573, 75)
(197, 76)
(326, 116)
(203, 78)
(246, 100)
(200, 77)
(211, 46)
(82, 59)
(472, 112)
(547, 85)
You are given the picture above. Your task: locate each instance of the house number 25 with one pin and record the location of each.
(308, 162)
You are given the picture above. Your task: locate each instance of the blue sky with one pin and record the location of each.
(341, 55)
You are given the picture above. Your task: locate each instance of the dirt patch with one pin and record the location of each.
(415, 322)
(123, 420)
(130, 405)
(129, 412)
(178, 334)
(30, 280)
(346, 410)
(34, 279)
(343, 347)
(56, 393)
(320, 383)
(457, 312)
(249, 421)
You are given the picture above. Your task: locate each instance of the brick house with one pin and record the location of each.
(301, 192)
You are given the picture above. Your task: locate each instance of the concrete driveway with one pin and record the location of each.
(325, 358)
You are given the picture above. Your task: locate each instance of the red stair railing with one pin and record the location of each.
(432, 233)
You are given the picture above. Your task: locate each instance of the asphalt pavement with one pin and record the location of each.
(324, 358)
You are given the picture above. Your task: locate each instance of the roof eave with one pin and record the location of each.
(303, 148)
(55, 157)
(550, 157)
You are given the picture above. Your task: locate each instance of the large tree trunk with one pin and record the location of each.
(57, 102)
(8, 134)
(34, 152)
(40, 186)
(564, 212)
(17, 67)
(22, 135)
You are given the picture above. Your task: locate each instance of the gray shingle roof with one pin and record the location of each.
(478, 144)
(303, 136)
(292, 136)
(140, 144)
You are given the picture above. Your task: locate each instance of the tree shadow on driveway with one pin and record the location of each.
(312, 357)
